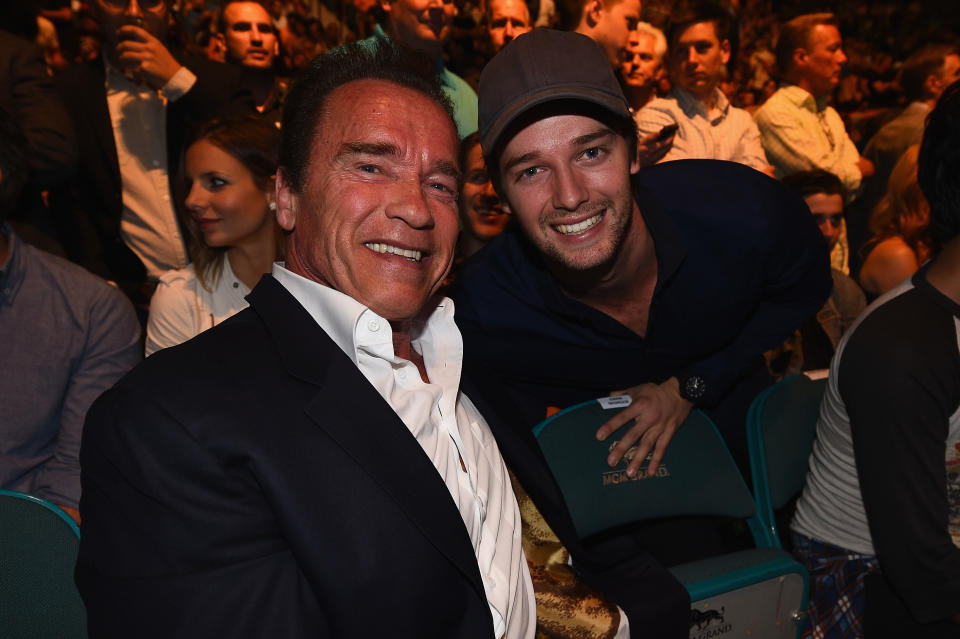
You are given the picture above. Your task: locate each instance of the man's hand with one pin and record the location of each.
(144, 57)
(650, 150)
(659, 410)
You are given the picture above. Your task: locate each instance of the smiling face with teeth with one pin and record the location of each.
(377, 217)
(566, 179)
(481, 214)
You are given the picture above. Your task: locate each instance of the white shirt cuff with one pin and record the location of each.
(181, 82)
(623, 632)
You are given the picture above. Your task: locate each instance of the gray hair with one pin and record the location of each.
(659, 40)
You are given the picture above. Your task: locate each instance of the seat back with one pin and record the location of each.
(781, 425)
(697, 475)
(760, 592)
(38, 550)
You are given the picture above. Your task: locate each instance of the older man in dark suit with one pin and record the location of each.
(309, 468)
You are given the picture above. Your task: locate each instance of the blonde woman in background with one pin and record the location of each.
(901, 239)
(234, 236)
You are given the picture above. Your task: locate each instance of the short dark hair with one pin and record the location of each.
(13, 163)
(687, 14)
(795, 34)
(222, 21)
(939, 165)
(805, 183)
(307, 99)
(921, 64)
(253, 142)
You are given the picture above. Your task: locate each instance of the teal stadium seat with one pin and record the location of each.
(755, 593)
(781, 426)
(38, 550)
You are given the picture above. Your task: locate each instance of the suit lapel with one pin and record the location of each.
(360, 421)
(522, 453)
(100, 118)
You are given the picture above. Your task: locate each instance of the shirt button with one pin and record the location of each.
(156, 162)
(373, 325)
(402, 374)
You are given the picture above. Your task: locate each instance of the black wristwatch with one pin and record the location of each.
(692, 388)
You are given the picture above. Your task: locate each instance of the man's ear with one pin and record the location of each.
(933, 85)
(725, 51)
(799, 57)
(592, 12)
(286, 201)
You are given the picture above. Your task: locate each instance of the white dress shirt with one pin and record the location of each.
(182, 307)
(138, 115)
(447, 426)
(721, 133)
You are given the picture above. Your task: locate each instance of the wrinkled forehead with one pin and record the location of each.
(383, 112)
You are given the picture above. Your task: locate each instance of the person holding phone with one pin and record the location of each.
(707, 125)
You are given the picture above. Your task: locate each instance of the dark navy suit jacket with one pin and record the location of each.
(252, 483)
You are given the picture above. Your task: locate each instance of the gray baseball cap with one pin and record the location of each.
(541, 67)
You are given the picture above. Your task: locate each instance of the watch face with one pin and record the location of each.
(693, 388)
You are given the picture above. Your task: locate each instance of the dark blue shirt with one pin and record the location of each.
(741, 264)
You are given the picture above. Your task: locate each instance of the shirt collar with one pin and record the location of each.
(11, 271)
(692, 104)
(803, 99)
(352, 326)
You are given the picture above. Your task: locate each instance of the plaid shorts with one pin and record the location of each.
(835, 610)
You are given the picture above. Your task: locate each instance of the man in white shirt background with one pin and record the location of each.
(800, 131)
(709, 126)
(310, 467)
(642, 66)
(133, 108)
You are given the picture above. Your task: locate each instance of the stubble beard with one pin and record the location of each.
(566, 265)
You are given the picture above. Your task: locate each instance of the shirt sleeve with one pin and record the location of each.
(651, 118)
(796, 283)
(848, 171)
(750, 150)
(112, 348)
(173, 314)
(181, 82)
(899, 395)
